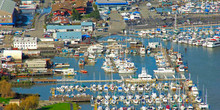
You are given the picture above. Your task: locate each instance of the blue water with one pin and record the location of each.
(202, 62)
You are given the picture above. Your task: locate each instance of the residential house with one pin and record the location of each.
(62, 9)
(80, 6)
(15, 101)
(60, 19)
(25, 42)
(7, 13)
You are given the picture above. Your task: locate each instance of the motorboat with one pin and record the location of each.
(142, 51)
(62, 65)
(213, 42)
(66, 72)
(164, 70)
(120, 89)
(97, 48)
(81, 62)
(144, 75)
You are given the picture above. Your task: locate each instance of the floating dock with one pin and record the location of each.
(118, 81)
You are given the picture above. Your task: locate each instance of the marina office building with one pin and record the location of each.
(7, 13)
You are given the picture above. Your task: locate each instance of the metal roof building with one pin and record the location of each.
(63, 27)
(86, 23)
(7, 16)
(7, 5)
(69, 35)
(111, 2)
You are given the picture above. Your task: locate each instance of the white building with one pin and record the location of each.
(25, 42)
(15, 54)
(87, 26)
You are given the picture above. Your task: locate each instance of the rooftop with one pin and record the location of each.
(80, 3)
(111, 2)
(7, 6)
(72, 33)
(63, 26)
(25, 39)
(62, 6)
(86, 23)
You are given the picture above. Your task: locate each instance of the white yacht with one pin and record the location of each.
(97, 48)
(144, 75)
(142, 51)
(194, 90)
(128, 71)
(181, 68)
(66, 72)
(213, 43)
(164, 70)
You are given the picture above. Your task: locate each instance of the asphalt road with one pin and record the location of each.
(39, 22)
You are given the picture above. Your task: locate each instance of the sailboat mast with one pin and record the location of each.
(206, 97)
(197, 82)
(175, 22)
(203, 93)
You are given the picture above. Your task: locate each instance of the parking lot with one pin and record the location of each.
(150, 19)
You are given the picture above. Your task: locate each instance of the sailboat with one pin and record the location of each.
(204, 105)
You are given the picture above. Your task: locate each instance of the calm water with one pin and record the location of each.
(203, 63)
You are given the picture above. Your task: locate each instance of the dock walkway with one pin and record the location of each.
(36, 81)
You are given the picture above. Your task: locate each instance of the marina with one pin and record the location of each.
(109, 54)
(80, 86)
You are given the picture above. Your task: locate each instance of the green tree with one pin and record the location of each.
(30, 102)
(12, 107)
(75, 14)
(95, 7)
(95, 14)
(5, 89)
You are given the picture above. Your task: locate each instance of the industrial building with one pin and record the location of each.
(63, 28)
(36, 63)
(77, 36)
(7, 13)
(70, 32)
